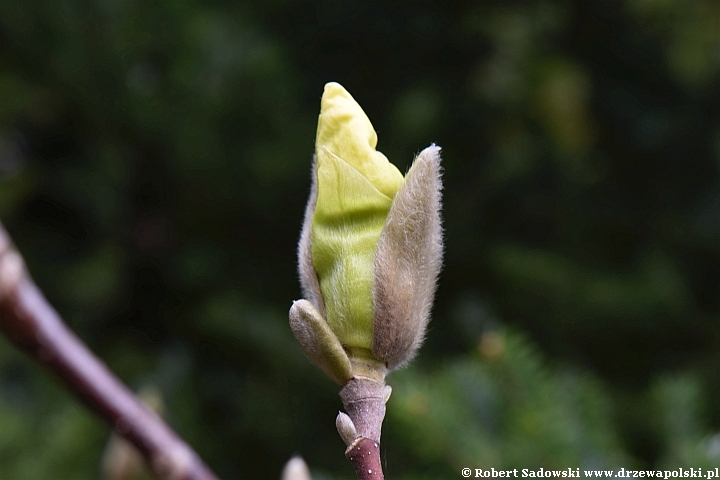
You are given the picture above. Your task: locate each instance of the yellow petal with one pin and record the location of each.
(349, 217)
(345, 130)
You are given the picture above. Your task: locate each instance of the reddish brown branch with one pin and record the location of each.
(364, 454)
(34, 326)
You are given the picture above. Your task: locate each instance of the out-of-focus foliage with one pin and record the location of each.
(154, 167)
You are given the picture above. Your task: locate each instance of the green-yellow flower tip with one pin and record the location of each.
(355, 188)
(345, 130)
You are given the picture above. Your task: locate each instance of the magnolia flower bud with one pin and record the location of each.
(370, 249)
(296, 469)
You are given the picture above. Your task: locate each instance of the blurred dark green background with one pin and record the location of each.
(154, 167)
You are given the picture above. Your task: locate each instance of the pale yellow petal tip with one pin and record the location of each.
(345, 130)
(335, 95)
(343, 126)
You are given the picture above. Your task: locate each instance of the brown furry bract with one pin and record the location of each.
(407, 263)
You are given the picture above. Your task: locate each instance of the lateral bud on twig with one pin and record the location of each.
(296, 469)
(346, 428)
(121, 460)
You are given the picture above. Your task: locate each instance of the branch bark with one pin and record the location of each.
(33, 325)
(364, 455)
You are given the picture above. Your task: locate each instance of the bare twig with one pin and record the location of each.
(364, 455)
(33, 325)
(364, 399)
